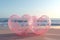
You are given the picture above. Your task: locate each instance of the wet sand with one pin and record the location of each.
(52, 34)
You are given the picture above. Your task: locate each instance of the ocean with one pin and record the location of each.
(4, 22)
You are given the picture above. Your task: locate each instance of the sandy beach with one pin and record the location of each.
(52, 34)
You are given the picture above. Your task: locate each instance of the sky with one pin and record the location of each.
(51, 8)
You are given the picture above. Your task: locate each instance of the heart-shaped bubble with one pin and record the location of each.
(22, 25)
(19, 25)
(40, 25)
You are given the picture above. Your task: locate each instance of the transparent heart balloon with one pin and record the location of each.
(19, 25)
(40, 25)
(24, 24)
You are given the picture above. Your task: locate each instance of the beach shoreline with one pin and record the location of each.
(52, 34)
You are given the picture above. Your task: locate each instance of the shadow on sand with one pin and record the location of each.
(13, 36)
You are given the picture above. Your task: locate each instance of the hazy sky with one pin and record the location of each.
(32, 7)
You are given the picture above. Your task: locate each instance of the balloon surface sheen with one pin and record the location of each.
(21, 25)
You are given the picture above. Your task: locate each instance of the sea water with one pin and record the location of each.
(4, 23)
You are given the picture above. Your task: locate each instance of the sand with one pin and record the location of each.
(52, 34)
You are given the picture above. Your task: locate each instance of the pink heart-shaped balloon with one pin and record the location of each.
(22, 25)
(38, 26)
(19, 25)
